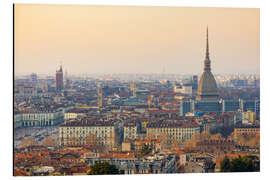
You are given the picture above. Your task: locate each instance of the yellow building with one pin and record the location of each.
(133, 86)
(100, 98)
(245, 131)
(248, 117)
(179, 132)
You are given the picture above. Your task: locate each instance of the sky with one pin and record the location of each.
(134, 39)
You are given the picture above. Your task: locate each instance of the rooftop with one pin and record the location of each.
(88, 122)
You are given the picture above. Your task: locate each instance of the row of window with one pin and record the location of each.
(93, 127)
(176, 131)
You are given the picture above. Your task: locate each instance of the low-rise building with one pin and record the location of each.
(179, 131)
(248, 117)
(87, 132)
(127, 163)
(185, 89)
(76, 112)
(127, 146)
(246, 130)
(38, 118)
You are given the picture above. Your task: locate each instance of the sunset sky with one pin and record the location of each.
(114, 39)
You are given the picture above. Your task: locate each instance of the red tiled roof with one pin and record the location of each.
(163, 111)
(19, 172)
(117, 155)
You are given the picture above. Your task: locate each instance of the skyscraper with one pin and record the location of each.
(207, 89)
(59, 79)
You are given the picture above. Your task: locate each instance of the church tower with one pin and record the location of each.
(59, 79)
(207, 89)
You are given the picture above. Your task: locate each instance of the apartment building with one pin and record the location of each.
(88, 132)
(179, 131)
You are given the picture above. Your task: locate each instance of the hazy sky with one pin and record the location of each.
(112, 39)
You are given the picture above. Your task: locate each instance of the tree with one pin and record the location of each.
(101, 168)
(225, 165)
(209, 166)
(241, 164)
(146, 149)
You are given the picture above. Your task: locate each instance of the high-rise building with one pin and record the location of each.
(186, 106)
(100, 96)
(229, 105)
(67, 80)
(133, 88)
(247, 104)
(257, 107)
(207, 89)
(33, 78)
(59, 79)
(207, 106)
(195, 82)
(150, 101)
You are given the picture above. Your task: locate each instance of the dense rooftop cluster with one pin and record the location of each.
(129, 122)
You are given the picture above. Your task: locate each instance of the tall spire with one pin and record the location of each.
(207, 88)
(207, 44)
(207, 63)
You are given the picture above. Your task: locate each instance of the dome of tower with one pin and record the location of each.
(207, 84)
(207, 89)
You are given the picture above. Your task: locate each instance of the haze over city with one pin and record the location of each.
(108, 39)
(135, 90)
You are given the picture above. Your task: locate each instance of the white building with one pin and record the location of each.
(130, 130)
(184, 89)
(76, 133)
(70, 115)
(36, 118)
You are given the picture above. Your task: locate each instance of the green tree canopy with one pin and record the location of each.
(101, 168)
(225, 165)
(240, 164)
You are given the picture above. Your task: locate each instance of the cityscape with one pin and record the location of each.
(136, 123)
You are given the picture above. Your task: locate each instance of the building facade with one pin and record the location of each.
(179, 132)
(77, 133)
(246, 130)
(59, 79)
(229, 105)
(248, 117)
(130, 130)
(38, 118)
